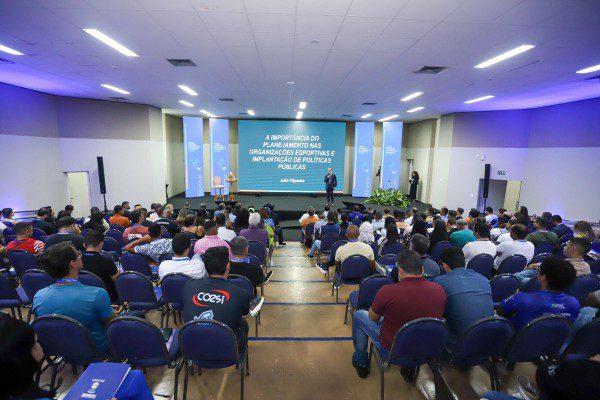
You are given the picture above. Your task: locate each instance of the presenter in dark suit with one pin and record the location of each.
(330, 184)
(414, 182)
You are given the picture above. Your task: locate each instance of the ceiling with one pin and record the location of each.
(338, 53)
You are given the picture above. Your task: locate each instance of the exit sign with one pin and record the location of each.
(501, 172)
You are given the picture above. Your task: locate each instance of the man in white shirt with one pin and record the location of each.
(181, 263)
(481, 246)
(501, 229)
(222, 232)
(378, 223)
(489, 215)
(505, 237)
(412, 212)
(518, 245)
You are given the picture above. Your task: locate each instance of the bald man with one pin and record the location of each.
(354, 247)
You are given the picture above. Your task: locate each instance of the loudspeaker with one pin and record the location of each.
(101, 175)
(486, 180)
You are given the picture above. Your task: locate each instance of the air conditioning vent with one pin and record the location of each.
(118, 98)
(181, 62)
(427, 69)
(225, 99)
(368, 103)
(346, 115)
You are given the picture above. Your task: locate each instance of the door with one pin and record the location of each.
(513, 194)
(79, 192)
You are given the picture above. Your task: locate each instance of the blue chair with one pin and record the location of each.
(258, 250)
(544, 248)
(485, 340)
(111, 244)
(389, 260)
(532, 285)
(37, 234)
(538, 258)
(375, 248)
(356, 222)
(172, 291)
(115, 234)
(245, 283)
(362, 298)
(392, 248)
(137, 263)
(84, 232)
(117, 227)
(141, 343)
(8, 231)
(512, 264)
(595, 267)
(137, 293)
(90, 279)
(353, 270)
(416, 343)
(342, 234)
(503, 286)
(22, 261)
(596, 246)
(542, 337)
(482, 263)
(165, 257)
(565, 238)
(252, 260)
(165, 235)
(210, 344)
(585, 343)
(12, 298)
(438, 249)
(582, 286)
(9, 238)
(309, 233)
(327, 242)
(331, 256)
(560, 251)
(32, 282)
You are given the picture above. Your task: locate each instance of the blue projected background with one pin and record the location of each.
(364, 134)
(390, 155)
(193, 156)
(290, 156)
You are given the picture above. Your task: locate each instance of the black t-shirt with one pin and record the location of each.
(215, 298)
(44, 225)
(95, 226)
(169, 225)
(102, 265)
(57, 238)
(252, 272)
(147, 223)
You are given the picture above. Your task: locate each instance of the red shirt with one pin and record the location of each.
(29, 245)
(119, 220)
(407, 300)
(135, 232)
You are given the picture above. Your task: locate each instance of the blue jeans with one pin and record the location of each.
(498, 396)
(364, 328)
(586, 314)
(525, 275)
(316, 245)
(134, 387)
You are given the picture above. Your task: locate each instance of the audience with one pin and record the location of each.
(490, 217)
(166, 222)
(310, 218)
(43, 221)
(518, 245)
(541, 235)
(151, 245)
(482, 245)
(355, 214)
(190, 228)
(365, 230)
(8, 216)
(463, 235)
(223, 232)
(96, 222)
(241, 219)
(119, 218)
(420, 244)
(501, 229)
(68, 231)
(254, 231)
(210, 239)
(181, 263)
(354, 247)
(330, 226)
(24, 241)
(584, 230)
(100, 263)
(390, 234)
(378, 222)
(438, 234)
(240, 265)
(136, 230)
(559, 228)
(575, 252)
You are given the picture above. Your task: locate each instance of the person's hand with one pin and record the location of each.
(146, 238)
(532, 266)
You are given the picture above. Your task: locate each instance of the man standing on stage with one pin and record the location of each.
(330, 184)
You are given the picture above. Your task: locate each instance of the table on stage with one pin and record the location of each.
(231, 181)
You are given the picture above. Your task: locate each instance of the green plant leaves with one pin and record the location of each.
(388, 197)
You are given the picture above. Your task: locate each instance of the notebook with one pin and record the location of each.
(100, 381)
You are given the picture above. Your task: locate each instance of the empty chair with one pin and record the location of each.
(137, 293)
(485, 341)
(362, 298)
(172, 292)
(544, 248)
(210, 344)
(117, 235)
(111, 244)
(582, 286)
(258, 250)
(503, 286)
(438, 248)
(137, 263)
(538, 258)
(482, 263)
(141, 343)
(90, 279)
(353, 270)
(37, 234)
(392, 248)
(33, 281)
(244, 283)
(22, 261)
(512, 264)
(585, 343)
(12, 298)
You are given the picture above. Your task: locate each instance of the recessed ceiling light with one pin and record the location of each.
(302, 105)
(207, 114)
(10, 51)
(511, 53)
(299, 114)
(251, 112)
(388, 118)
(110, 42)
(114, 88)
(412, 110)
(186, 103)
(589, 69)
(188, 90)
(479, 99)
(411, 96)
(365, 116)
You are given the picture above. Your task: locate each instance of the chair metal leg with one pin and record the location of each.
(176, 383)
(242, 374)
(162, 318)
(29, 315)
(247, 360)
(168, 314)
(494, 378)
(12, 311)
(185, 380)
(256, 326)
(346, 314)
(337, 294)
(382, 371)
(442, 390)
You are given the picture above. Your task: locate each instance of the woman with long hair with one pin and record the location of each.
(414, 182)
(241, 219)
(439, 233)
(391, 234)
(189, 225)
(584, 230)
(181, 217)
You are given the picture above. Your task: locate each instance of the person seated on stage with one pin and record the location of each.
(151, 245)
(43, 221)
(68, 231)
(229, 303)
(541, 235)
(100, 263)
(420, 244)
(500, 229)
(223, 231)
(254, 231)
(555, 276)
(482, 245)
(378, 223)
(366, 230)
(210, 239)
(463, 236)
(354, 247)
(119, 218)
(24, 241)
(356, 214)
(137, 229)
(412, 298)
(166, 221)
(518, 245)
(181, 263)
(559, 228)
(240, 265)
(310, 219)
(89, 305)
(330, 226)
(468, 293)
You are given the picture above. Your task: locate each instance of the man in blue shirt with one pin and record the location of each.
(468, 294)
(555, 277)
(330, 227)
(356, 214)
(86, 304)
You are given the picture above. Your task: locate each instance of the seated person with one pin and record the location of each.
(151, 245)
(310, 218)
(239, 263)
(210, 239)
(558, 227)
(166, 221)
(590, 311)
(390, 234)
(378, 221)
(89, 305)
(100, 263)
(439, 233)
(43, 221)
(96, 222)
(354, 247)
(413, 297)
(223, 232)
(482, 245)
(468, 294)
(420, 244)
(330, 227)
(255, 231)
(355, 214)
(463, 235)
(190, 228)
(119, 218)
(8, 216)
(68, 231)
(24, 241)
(181, 263)
(215, 298)
(555, 277)
(575, 251)
(137, 229)
(501, 229)
(365, 230)
(541, 235)
(518, 245)
(490, 217)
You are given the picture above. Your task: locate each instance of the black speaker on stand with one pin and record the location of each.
(100, 161)
(486, 184)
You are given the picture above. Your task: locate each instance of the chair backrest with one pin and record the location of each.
(172, 289)
(309, 229)
(118, 227)
(354, 269)
(392, 248)
(512, 264)
(342, 234)
(9, 238)
(217, 180)
(585, 343)
(486, 338)
(482, 263)
(37, 234)
(8, 292)
(532, 285)
(582, 286)
(84, 232)
(253, 260)
(595, 267)
(418, 342)
(35, 280)
(242, 282)
(22, 261)
(544, 248)
(356, 222)
(136, 291)
(115, 234)
(503, 286)
(137, 340)
(368, 289)
(538, 258)
(258, 250)
(8, 231)
(165, 235)
(63, 336)
(560, 251)
(137, 263)
(327, 242)
(389, 260)
(164, 257)
(565, 238)
(375, 249)
(544, 336)
(334, 248)
(438, 248)
(208, 344)
(90, 279)
(111, 244)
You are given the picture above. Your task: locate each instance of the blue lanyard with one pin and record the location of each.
(180, 259)
(66, 281)
(240, 259)
(352, 241)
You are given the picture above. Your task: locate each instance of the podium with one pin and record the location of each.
(231, 181)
